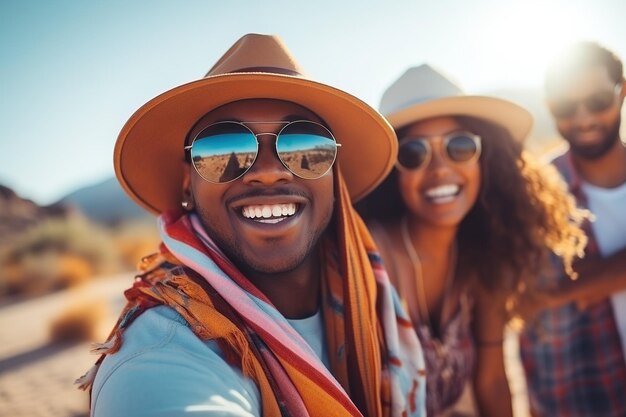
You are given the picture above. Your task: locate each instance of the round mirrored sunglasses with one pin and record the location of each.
(225, 151)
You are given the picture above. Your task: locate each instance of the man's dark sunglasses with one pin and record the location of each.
(597, 102)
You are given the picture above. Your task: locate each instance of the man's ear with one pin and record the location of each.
(187, 194)
(186, 180)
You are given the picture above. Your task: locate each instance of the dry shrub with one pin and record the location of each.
(12, 278)
(79, 322)
(64, 252)
(49, 271)
(56, 254)
(73, 270)
(32, 274)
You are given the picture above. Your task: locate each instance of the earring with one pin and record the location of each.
(185, 204)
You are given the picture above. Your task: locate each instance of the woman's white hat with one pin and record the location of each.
(423, 93)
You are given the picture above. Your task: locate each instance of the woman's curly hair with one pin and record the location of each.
(523, 212)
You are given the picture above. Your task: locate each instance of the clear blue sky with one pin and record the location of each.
(73, 71)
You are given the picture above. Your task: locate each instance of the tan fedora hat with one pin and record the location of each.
(423, 93)
(149, 158)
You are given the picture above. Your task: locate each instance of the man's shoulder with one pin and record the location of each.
(563, 163)
(561, 159)
(163, 365)
(160, 328)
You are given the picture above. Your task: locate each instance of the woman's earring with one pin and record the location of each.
(186, 205)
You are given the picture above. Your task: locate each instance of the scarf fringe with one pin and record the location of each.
(110, 346)
(85, 382)
(245, 353)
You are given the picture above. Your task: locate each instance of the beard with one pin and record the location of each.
(596, 150)
(232, 248)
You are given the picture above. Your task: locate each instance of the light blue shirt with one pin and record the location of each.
(164, 369)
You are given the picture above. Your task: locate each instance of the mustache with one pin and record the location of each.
(270, 192)
(592, 128)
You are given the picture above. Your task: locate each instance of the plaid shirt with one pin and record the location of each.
(573, 359)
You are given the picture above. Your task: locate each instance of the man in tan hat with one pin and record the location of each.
(573, 354)
(267, 296)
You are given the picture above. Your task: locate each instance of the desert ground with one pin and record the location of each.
(37, 376)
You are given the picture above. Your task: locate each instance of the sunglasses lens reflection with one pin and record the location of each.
(307, 149)
(223, 152)
(413, 153)
(462, 148)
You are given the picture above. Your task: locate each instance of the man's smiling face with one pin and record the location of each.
(267, 220)
(591, 133)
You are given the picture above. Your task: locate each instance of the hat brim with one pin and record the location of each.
(517, 120)
(149, 158)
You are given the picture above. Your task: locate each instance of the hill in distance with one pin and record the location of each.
(105, 203)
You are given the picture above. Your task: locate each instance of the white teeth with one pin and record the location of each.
(272, 221)
(269, 213)
(443, 191)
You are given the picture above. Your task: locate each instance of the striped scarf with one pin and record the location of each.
(376, 361)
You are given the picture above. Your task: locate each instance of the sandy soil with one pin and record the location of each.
(36, 376)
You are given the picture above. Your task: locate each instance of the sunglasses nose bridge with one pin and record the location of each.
(256, 135)
(582, 115)
(437, 151)
(267, 168)
(438, 161)
(268, 145)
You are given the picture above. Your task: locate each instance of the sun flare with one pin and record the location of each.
(525, 35)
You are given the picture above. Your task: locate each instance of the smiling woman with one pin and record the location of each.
(462, 224)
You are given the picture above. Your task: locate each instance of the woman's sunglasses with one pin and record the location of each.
(460, 148)
(596, 103)
(224, 151)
